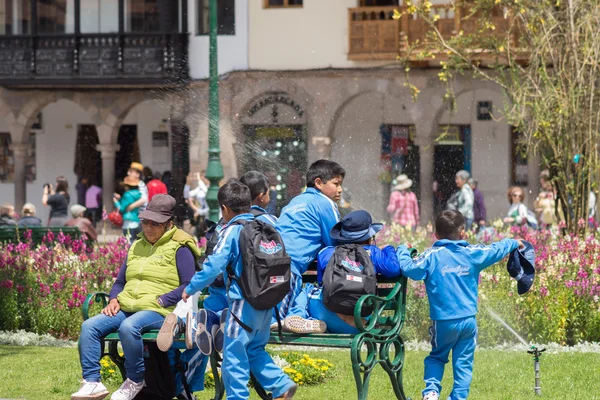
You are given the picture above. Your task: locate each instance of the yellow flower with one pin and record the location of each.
(324, 368)
(436, 17)
(501, 48)
(110, 371)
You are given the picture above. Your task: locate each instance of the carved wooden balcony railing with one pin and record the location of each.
(375, 35)
(132, 58)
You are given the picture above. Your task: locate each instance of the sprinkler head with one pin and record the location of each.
(535, 352)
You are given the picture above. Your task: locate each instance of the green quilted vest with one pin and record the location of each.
(152, 271)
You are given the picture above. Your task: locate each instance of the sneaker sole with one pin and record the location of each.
(189, 331)
(298, 324)
(219, 337)
(97, 396)
(164, 340)
(203, 339)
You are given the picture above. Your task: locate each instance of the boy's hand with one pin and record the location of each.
(521, 245)
(408, 245)
(185, 296)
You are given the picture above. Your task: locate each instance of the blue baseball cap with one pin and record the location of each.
(355, 227)
(521, 266)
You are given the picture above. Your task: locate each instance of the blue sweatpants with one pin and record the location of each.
(460, 336)
(292, 303)
(317, 310)
(244, 352)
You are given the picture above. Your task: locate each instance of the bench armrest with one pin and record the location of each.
(98, 297)
(378, 323)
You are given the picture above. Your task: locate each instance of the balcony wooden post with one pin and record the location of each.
(404, 21)
(457, 18)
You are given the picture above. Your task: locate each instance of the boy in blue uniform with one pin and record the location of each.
(304, 226)
(451, 270)
(258, 184)
(244, 351)
(357, 228)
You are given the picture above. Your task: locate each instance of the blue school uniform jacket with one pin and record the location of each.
(227, 251)
(266, 217)
(384, 260)
(304, 226)
(451, 270)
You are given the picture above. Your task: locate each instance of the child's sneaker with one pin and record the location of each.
(203, 337)
(90, 391)
(128, 390)
(290, 393)
(431, 396)
(274, 327)
(169, 329)
(190, 330)
(298, 324)
(218, 331)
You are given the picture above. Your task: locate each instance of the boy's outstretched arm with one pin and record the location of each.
(414, 269)
(226, 249)
(385, 261)
(484, 256)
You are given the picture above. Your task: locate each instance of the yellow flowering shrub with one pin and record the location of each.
(305, 370)
(109, 372)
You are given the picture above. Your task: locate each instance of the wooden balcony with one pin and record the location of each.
(93, 59)
(375, 35)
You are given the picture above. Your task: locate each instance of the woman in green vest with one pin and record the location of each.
(158, 267)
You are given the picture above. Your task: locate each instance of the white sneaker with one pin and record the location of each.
(298, 324)
(90, 390)
(128, 390)
(431, 396)
(170, 328)
(274, 327)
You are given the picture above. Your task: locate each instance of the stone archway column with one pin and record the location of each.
(108, 153)
(426, 144)
(20, 156)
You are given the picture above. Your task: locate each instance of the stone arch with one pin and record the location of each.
(288, 111)
(356, 144)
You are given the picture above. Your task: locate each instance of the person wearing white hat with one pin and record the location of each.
(403, 205)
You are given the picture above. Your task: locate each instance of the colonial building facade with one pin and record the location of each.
(301, 80)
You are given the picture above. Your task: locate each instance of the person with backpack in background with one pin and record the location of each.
(348, 271)
(518, 213)
(250, 303)
(451, 270)
(304, 225)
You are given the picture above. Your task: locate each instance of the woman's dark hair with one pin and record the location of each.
(62, 186)
(326, 170)
(449, 224)
(256, 181)
(235, 196)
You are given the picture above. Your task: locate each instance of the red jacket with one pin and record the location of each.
(155, 187)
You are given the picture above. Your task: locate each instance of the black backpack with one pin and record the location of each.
(349, 275)
(266, 271)
(158, 375)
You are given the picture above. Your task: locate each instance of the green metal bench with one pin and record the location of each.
(379, 336)
(11, 234)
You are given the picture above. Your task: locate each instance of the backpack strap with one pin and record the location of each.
(182, 367)
(256, 212)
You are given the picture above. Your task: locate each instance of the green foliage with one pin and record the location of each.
(545, 55)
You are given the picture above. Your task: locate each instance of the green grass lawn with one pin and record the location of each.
(53, 373)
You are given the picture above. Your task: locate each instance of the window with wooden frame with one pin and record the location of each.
(282, 3)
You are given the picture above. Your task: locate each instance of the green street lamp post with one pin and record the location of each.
(214, 169)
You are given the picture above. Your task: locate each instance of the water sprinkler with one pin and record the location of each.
(536, 353)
